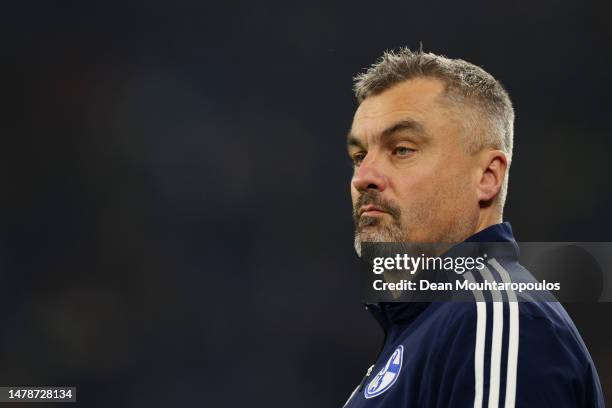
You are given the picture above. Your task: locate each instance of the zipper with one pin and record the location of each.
(382, 348)
(365, 378)
(359, 387)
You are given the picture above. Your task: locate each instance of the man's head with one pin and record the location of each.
(431, 143)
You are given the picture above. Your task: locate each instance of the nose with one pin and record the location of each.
(369, 177)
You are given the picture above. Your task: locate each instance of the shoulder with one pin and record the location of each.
(548, 322)
(548, 332)
(542, 331)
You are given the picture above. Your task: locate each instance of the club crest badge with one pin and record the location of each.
(387, 376)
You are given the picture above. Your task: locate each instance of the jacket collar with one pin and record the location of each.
(390, 313)
(495, 233)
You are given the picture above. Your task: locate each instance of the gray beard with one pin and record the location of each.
(390, 233)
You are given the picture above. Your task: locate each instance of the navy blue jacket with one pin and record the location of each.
(480, 354)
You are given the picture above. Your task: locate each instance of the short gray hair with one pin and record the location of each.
(489, 119)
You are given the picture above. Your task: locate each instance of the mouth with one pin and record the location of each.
(371, 211)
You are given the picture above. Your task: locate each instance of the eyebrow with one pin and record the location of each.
(401, 126)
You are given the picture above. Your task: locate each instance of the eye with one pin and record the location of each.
(402, 151)
(357, 158)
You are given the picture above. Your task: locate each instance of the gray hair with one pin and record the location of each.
(489, 117)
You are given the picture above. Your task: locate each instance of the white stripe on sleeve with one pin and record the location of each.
(481, 325)
(513, 339)
(496, 341)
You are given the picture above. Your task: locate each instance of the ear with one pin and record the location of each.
(493, 165)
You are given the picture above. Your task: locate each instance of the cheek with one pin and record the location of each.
(415, 187)
(456, 193)
(354, 193)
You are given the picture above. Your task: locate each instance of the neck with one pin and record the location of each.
(488, 217)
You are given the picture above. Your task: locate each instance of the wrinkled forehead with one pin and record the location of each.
(416, 100)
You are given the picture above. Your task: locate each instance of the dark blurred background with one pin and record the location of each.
(175, 186)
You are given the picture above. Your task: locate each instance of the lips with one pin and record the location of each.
(371, 210)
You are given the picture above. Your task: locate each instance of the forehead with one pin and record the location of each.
(416, 99)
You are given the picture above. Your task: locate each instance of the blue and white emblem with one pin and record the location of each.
(387, 376)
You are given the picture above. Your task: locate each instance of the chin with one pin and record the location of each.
(373, 237)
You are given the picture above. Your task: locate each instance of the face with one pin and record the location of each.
(413, 179)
